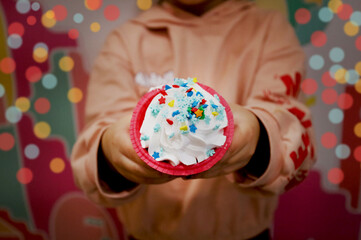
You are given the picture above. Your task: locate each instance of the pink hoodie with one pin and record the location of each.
(251, 57)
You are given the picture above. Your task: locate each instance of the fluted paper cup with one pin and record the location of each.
(166, 167)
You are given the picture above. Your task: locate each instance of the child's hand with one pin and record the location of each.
(118, 150)
(243, 146)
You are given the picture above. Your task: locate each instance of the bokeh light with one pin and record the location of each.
(144, 4)
(42, 130)
(329, 140)
(23, 6)
(302, 16)
(49, 81)
(78, 18)
(31, 151)
(13, 114)
(16, 28)
(95, 27)
(33, 74)
(66, 64)
(42, 105)
(111, 12)
(60, 12)
(48, 19)
(318, 38)
(75, 95)
(351, 29)
(335, 175)
(24, 175)
(336, 116)
(7, 141)
(23, 104)
(93, 4)
(7, 65)
(316, 62)
(357, 129)
(57, 165)
(342, 151)
(14, 41)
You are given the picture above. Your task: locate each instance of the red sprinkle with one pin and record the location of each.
(189, 90)
(175, 86)
(170, 122)
(163, 92)
(194, 109)
(203, 101)
(161, 100)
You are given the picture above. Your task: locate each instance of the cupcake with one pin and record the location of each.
(182, 128)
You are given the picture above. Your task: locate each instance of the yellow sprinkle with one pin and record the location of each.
(215, 113)
(171, 103)
(184, 128)
(195, 80)
(198, 113)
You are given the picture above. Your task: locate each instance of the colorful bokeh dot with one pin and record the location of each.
(60, 12)
(31, 151)
(356, 18)
(35, 6)
(24, 175)
(33, 74)
(16, 28)
(344, 12)
(302, 16)
(345, 101)
(7, 65)
(357, 153)
(73, 33)
(49, 81)
(358, 43)
(7, 141)
(358, 86)
(75, 95)
(327, 80)
(144, 4)
(316, 62)
(78, 18)
(14, 41)
(93, 4)
(318, 38)
(342, 151)
(351, 29)
(111, 12)
(23, 104)
(42, 105)
(66, 64)
(309, 86)
(13, 114)
(2, 90)
(95, 27)
(57, 165)
(329, 140)
(23, 6)
(329, 96)
(334, 5)
(352, 76)
(325, 14)
(48, 19)
(335, 175)
(336, 116)
(337, 54)
(358, 67)
(40, 54)
(357, 129)
(42, 130)
(340, 76)
(31, 20)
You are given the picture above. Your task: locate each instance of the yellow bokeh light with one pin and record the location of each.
(23, 104)
(40, 54)
(66, 64)
(42, 130)
(57, 165)
(144, 4)
(358, 67)
(357, 129)
(340, 75)
(48, 19)
(95, 27)
(351, 29)
(335, 5)
(358, 86)
(75, 95)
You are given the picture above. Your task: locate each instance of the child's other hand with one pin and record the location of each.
(243, 146)
(119, 152)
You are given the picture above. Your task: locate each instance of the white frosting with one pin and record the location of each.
(173, 132)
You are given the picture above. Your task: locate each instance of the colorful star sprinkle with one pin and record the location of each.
(155, 155)
(161, 100)
(193, 128)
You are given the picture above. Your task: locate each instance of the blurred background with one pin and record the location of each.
(47, 48)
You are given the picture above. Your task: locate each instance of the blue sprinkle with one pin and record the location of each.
(171, 135)
(217, 127)
(184, 84)
(167, 87)
(214, 106)
(210, 152)
(190, 94)
(195, 103)
(155, 155)
(156, 127)
(205, 106)
(144, 138)
(199, 94)
(193, 128)
(175, 113)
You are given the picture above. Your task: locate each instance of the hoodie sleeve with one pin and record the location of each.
(111, 93)
(273, 99)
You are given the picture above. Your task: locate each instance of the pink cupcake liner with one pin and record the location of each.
(181, 169)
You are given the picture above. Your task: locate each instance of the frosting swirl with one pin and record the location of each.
(183, 123)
